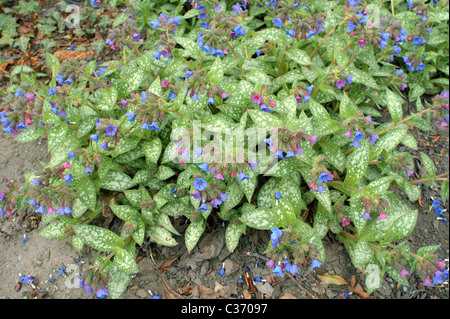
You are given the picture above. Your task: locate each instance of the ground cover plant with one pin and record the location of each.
(256, 112)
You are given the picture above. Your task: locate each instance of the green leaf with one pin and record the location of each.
(85, 127)
(56, 135)
(395, 105)
(362, 77)
(193, 233)
(357, 163)
(298, 56)
(373, 277)
(264, 119)
(77, 243)
(152, 150)
(429, 165)
(126, 213)
(161, 236)
(116, 181)
(54, 230)
(117, 282)
(32, 134)
(215, 73)
(388, 142)
(232, 235)
(87, 192)
(164, 172)
(125, 261)
(379, 186)
(360, 253)
(444, 191)
(260, 218)
(334, 155)
(97, 237)
(347, 108)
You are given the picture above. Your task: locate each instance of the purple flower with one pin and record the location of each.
(294, 269)
(271, 263)
(111, 130)
(340, 84)
(350, 27)
(104, 146)
(2, 196)
(51, 91)
(35, 182)
(366, 216)
(325, 177)
(88, 170)
(279, 154)
(257, 99)
(373, 139)
(253, 164)
(321, 189)
(349, 79)
(276, 234)
(409, 173)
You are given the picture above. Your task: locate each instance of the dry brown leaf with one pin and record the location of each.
(333, 279)
(168, 292)
(246, 294)
(359, 291)
(206, 293)
(164, 265)
(353, 281)
(436, 138)
(288, 295)
(63, 55)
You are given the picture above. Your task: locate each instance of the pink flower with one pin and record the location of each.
(182, 162)
(427, 282)
(348, 134)
(443, 124)
(312, 140)
(180, 150)
(404, 273)
(233, 174)
(362, 43)
(28, 121)
(219, 176)
(409, 173)
(345, 222)
(313, 186)
(272, 103)
(224, 51)
(164, 83)
(9, 212)
(382, 216)
(257, 99)
(224, 95)
(67, 165)
(51, 210)
(441, 265)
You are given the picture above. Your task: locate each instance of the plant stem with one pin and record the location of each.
(237, 60)
(281, 63)
(403, 121)
(326, 37)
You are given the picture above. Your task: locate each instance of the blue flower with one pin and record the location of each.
(71, 155)
(211, 101)
(204, 167)
(321, 189)
(350, 27)
(33, 203)
(419, 41)
(131, 116)
(203, 207)
(60, 79)
(258, 52)
(143, 96)
(279, 154)
(278, 271)
(21, 125)
(315, 264)
(325, 177)
(68, 178)
(366, 216)
(278, 195)
(242, 176)
(264, 108)
(94, 137)
(275, 236)
(436, 203)
(438, 211)
(102, 293)
(41, 210)
(277, 22)
(294, 269)
(51, 91)
(200, 184)
(88, 170)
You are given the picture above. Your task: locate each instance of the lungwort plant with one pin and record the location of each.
(260, 113)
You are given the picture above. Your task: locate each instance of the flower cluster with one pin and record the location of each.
(286, 246)
(285, 143)
(208, 193)
(441, 107)
(359, 128)
(371, 204)
(262, 99)
(319, 175)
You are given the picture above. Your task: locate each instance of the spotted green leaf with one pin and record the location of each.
(97, 237)
(357, 163)
(429, 165)
(232, 235)
(125, 261)
(193, 233)
(395, 105)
